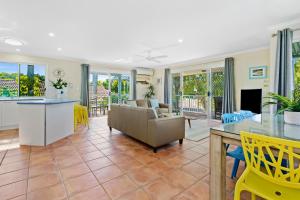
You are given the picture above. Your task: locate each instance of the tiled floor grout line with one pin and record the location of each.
(61, 179)
(91, 171)
(3, 157)
(28, 172)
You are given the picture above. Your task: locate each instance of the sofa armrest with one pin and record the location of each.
(162, 131)
(163, 105)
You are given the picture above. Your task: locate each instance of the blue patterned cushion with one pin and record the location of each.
(154, 103)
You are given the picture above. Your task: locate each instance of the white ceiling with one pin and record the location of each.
(114, 31)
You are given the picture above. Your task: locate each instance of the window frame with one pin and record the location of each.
(19, 71)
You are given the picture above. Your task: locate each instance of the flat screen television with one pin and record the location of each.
(251, 99)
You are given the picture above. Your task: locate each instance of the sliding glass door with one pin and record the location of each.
(107, 88)
(198, 91)
(195, 91)
(120, 88)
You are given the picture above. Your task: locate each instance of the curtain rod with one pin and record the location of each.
(296, 29)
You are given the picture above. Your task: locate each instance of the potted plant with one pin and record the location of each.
(59, 85)
(290, 107)
(150, 92)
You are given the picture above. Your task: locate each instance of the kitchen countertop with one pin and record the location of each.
(20, 98)
(47, 101)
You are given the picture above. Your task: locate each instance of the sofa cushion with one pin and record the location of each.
(142, 103)
(132, 103)
(154, 103)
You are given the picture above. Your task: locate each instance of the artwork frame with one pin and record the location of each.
(259, 72)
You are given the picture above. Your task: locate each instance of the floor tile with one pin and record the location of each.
(179, 178)
(139, 194)
(67, 162)
(12, 177)
(107, 173)
(177, 161)
(196, 170)
(129, 165)
(13, 190)
(55, 192)
(199, 191)
(159, 167)
(38, 170)
(80, 183)
(143, 175)
(4, 168)
(43, 181)
(92, 155)
(119, 186)
(74, 170)
(204, 160)
(161, 190)
(96, 193)
(99, 163)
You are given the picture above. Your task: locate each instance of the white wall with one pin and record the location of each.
(242, 81)
(158, 83)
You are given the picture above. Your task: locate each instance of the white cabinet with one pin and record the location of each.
(9, 114)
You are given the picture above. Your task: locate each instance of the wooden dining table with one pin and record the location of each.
(266, 124)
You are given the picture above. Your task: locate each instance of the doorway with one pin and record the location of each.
(198, 91)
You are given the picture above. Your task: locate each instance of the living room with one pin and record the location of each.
(149, 100)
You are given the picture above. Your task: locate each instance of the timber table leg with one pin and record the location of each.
(217, 168)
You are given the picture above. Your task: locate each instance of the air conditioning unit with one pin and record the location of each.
(144, 71)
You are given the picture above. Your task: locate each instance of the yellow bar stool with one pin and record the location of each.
(80, 116)
(265, 175)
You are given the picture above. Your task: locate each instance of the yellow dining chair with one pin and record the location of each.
(265, 175)
(80, 115)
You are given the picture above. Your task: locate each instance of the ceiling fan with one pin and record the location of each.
(150, 58)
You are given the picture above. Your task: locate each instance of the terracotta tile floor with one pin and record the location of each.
(97, 164)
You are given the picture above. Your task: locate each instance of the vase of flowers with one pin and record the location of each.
(290, 107)
(59, 85)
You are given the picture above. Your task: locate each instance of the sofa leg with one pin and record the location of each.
(180, 141)
(110, 128)
(154, 149)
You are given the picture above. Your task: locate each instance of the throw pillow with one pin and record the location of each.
(154, 103)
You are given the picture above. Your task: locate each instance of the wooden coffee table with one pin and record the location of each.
(192, 116)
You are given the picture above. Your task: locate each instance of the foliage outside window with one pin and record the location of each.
(296, 57)
(297, 71)
(103, 81)
(21, 80)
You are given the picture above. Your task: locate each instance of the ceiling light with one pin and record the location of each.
(59, 49)
(18, 50)
(51, 34)
(13, 42)
(180, 40)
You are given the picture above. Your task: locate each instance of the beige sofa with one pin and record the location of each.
(141, 124)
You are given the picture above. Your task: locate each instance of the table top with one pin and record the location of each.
(266, 124)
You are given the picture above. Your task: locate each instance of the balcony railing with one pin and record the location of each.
(190, 103)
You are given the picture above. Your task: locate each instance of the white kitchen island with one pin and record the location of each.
(42, 122)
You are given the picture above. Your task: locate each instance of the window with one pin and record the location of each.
(296, 59)
(9, 79)
(22, 80)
